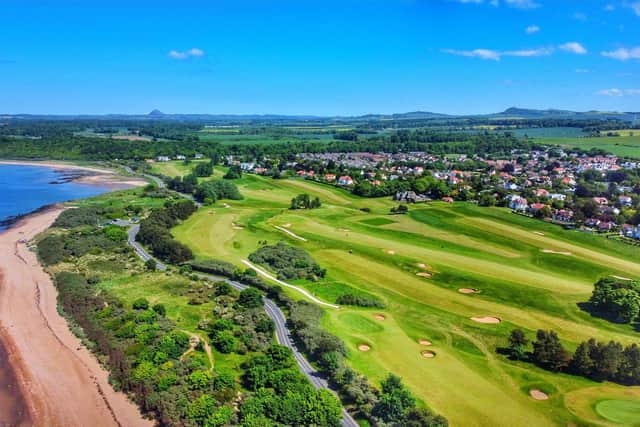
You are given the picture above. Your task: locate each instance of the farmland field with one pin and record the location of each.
(525, 272)
(626, 146)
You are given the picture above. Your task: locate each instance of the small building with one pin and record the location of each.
(345, 180)
(329, 177)
(518, 203)
(162, 159)
(625, 200)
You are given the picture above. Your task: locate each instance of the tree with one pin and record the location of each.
(518, 343)
(151, 264)
(141, 304)
(395, 401)
(548, 351)
(224, 341)
(582, 363)
(250, 298)
(234, 172)
(160, 309)
(616, 299)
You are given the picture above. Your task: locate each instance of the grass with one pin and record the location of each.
(461, 245)
(626, 412)
(625, 146)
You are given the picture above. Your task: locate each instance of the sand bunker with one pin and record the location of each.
(539, 233)
(424, 342)
(467, 291)
(226, 205)
(390, 252)
(237, 226)
(424, 266)
(287, 225)
(549, 251)
(622, 278)
(538, 395)
(486, 319)
(428, 354)
(364, 347)
(379, 316)
(423, 274)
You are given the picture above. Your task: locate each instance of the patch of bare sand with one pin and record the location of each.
(287, 225)
(487, 319)
(424, 342)
(539, 233)
(364, 347)
(424, 274)
(63, 383)
(550, 251)
(538, 395)
(467, 291)
(390, 252)
(379, 316)
(428, 354)
(424, 266)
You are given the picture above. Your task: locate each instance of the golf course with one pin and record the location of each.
(455, 279)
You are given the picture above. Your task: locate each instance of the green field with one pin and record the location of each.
(529, 273)
(626, 146)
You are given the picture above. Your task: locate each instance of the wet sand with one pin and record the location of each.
(13, 406)
(61, 381)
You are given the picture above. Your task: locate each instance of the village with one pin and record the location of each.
(595, 193)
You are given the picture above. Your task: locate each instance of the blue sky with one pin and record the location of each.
(318, 57)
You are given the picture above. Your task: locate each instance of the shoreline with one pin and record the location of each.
(102, 177)
(64, 385)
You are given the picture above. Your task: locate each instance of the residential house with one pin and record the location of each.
(345, 180)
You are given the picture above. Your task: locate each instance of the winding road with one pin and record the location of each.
(283, 335)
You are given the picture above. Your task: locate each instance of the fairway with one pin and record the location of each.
(527, 273)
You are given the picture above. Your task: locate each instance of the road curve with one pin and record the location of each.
(283, 335)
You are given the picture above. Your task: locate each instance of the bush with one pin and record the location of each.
(216, 190)
(359, 300)
(213, 266)
(288, 261)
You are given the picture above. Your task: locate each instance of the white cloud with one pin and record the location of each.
(495, 55)
(532, 29)
(573, 47)
(619, 92)
(582, 70)
(523, 4)
(635, 6)
(609, 8)
(191, 53)
(517, 4)
(623, 54)
(580, 16)
(476, 53)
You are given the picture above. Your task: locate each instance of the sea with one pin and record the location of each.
(24, 189)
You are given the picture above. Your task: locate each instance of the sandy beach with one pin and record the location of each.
(94, 175)
(62, 382)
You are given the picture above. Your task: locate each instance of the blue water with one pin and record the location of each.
(26, 188)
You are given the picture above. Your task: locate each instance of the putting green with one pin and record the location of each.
(626, 412)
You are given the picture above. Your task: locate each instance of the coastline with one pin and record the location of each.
(98, 176)
(62, 383)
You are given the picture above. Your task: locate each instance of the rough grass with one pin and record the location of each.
(626, 146)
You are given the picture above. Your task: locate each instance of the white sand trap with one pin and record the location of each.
(390, 252)
(539, 233)
(379, 316)
(428, 354)
(538, 395)
(290, 233)
(423, 274)
(287, 225)
(467, 291)
(487, 319)
(424, 342)
(424, 266)
(549, 251)
(364, 347)
(226, 205)
(237, 226)
(622, 278)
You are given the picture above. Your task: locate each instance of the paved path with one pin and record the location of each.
(287, 285)
(283, 335)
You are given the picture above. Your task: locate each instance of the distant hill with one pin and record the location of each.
(509, 113)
